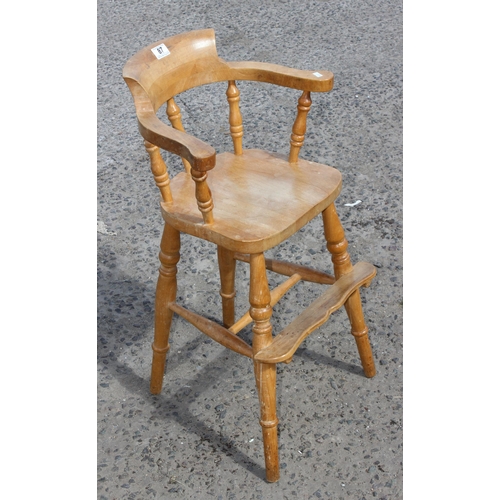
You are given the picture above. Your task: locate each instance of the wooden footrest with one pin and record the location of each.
(285, 344)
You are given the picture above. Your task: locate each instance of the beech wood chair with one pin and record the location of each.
(252, 201)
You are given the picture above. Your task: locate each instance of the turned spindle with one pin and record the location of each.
(174, 115)
(235, 120)
(203, 195)
(159, 170)
(299, 127)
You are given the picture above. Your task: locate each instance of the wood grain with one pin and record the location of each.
(259, 200)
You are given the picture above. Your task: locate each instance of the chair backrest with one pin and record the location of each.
(171, 66)
(168, 67)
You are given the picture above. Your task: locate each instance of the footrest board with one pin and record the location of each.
(285, 344)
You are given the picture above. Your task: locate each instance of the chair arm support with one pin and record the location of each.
(200, 155)
(321, 81)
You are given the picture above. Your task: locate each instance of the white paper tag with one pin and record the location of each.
(357, 202)
(317, 74)
(160, 51)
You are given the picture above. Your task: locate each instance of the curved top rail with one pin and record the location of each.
(167, 67)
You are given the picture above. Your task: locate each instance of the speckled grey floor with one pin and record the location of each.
(340, 433)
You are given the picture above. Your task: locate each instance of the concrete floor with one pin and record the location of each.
(340, 433)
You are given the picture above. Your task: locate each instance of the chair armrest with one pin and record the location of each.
(200, 155)
(313, 81)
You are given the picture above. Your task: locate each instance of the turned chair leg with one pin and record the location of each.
(337, 246)
(227, 268)
(265, 374)
(166, 290)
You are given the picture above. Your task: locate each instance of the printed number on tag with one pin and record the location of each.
(160, 51)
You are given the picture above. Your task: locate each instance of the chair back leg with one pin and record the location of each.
(337, 246)
(227, 268)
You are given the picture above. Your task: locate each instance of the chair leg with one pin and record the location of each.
(227, 268)
(166, 290)
(337, 246)
(265, 374)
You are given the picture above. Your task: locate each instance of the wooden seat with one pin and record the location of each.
(277, 201)
(245, 202)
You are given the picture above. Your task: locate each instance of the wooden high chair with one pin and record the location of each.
(251, 201)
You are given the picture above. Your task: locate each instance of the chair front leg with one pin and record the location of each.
(265, 374)
(166, 290)
(337, 246)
